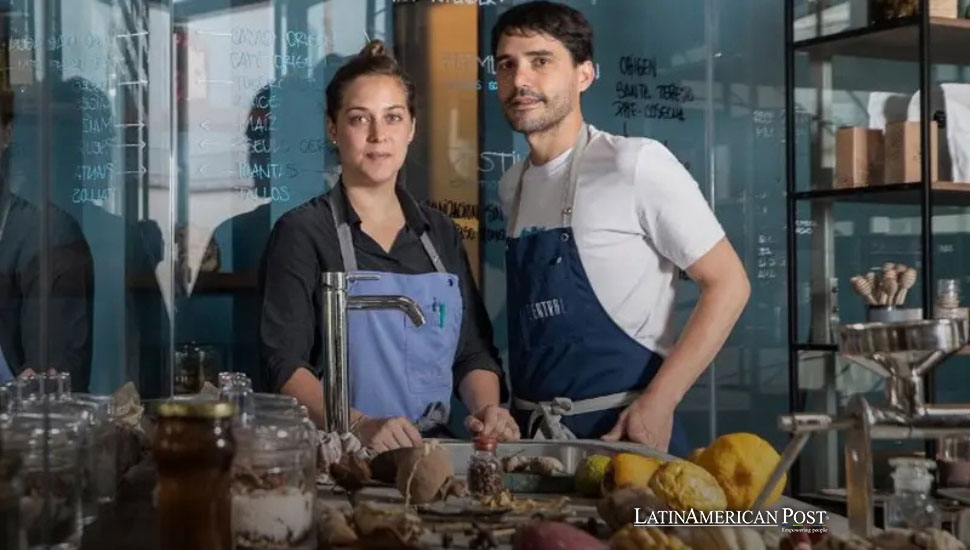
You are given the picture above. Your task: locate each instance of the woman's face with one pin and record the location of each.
(373, 129)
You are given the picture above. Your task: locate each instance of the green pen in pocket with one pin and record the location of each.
(441, 315)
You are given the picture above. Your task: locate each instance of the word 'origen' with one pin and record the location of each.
(632, 65)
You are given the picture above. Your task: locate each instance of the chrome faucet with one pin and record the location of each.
(336, 303)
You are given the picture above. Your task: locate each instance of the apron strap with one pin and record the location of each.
(344, 236)
(571, 181)
(549, 413)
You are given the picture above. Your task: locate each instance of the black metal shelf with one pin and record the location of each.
(896, 40)
(808, 346)
(944, 193)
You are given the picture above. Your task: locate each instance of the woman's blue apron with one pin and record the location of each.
(397, 369)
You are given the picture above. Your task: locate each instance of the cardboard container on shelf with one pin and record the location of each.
(885, 10)
(903, 158)
(859, 157)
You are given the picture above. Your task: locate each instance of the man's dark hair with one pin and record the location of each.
(374, 59)
(559, 21)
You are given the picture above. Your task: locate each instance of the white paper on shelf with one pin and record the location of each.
(885, 107)
(957, 101)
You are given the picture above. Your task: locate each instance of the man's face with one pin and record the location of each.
(538, 83)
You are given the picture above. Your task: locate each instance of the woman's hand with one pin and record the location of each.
(386, 434)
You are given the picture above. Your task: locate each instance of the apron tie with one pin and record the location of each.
(550, 413)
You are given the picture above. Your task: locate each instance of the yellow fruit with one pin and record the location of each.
(630, 470)
(686, 486)
(692, 457)
(645, 538)
(589, 475)
(742, 464)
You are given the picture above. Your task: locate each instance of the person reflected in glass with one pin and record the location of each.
(66, 285)
(402, 377)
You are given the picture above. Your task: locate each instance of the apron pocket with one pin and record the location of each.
(430, 349)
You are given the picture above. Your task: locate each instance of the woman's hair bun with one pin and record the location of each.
(375, 48)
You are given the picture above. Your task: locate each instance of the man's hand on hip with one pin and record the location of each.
(645, 421)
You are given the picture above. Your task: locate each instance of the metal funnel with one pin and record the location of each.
(902, 349)
(903, 352)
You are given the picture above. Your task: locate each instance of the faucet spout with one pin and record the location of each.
(403, 303)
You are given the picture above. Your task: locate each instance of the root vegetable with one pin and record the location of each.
(619, 507)
(422, 472)
(545, 535)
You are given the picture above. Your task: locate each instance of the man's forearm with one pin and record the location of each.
(479, 388)
(706, 330)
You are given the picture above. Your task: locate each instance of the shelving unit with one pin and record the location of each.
(919, 39)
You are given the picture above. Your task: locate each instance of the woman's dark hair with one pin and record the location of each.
(561, 22)
(372, 60)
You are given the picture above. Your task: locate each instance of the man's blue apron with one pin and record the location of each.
(573, 370)
(397, 369)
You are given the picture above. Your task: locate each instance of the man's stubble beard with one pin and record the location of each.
(555, 114)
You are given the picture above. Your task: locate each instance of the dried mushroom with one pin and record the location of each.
(542, 465)
(351, 473)
(385, 529)
(333, 530)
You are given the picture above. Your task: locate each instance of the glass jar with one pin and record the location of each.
(97, 454)
(104, 445)
(194, 449)
(911, 506)
(11, 491)
(32, 389)
(196, 364)
(485, 469)
(50, 512)
(954, 461)
(274, 485)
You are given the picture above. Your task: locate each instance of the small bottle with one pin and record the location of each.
(194, 449)
(911, 506)
(485, 469)
(948, 300)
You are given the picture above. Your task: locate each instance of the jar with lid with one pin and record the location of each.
(274, 485)
(911, 506)
(11, 491)
(98, 456)
(485, 469)
(948, 300)
(49, 450)
(194, 449)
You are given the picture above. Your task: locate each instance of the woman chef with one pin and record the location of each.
(369, 223)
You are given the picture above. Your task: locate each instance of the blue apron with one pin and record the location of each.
(573, 370)
(397, 369)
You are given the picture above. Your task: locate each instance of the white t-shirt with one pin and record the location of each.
(638, 216)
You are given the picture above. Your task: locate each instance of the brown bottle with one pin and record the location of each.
(194, 449)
